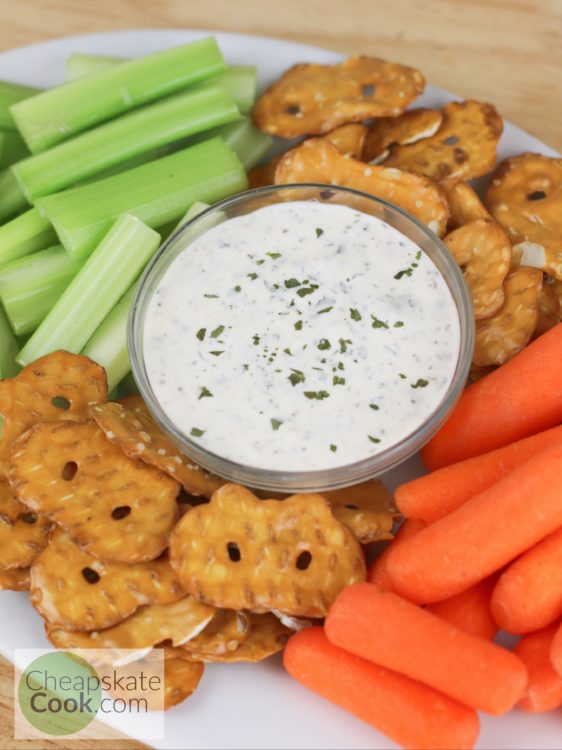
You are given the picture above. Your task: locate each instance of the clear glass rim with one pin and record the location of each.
(314, 480)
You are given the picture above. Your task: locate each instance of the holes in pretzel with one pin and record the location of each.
(536, 195)
(233, 551)
(350, 506)
(90, 575)
(368, 89)
(452, 140)
(303, 560)
(69, 471)
(293, 109)
(122, 511)
(27, 518)
(60, 402)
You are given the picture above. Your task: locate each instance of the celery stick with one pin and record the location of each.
(10, 93)
(30, 286)
(8, 348)
(126, 387)
(108, 345)
(79, 65)
(248, 143)
(13, 148)
(157, 193)
(60, 113)
(123, 138)
(111, 269)
(12, 198)
(24, 235)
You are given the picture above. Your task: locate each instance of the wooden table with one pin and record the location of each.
(508, 52)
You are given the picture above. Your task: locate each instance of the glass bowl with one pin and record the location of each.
(340, 476)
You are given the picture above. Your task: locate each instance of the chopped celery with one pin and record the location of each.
(123, 138)
(126, 387)
(157, 193)
(108, 345)
(79, 65)
(13, 148)
(197, 208)
(8, 348)
(60, 113)
(12, 198)
(111, 269)
(10, 93)
(30, 286)
(248, 143)
(24, 235)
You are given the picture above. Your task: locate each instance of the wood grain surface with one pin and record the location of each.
(508, 52)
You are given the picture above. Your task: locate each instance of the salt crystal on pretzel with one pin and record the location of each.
(239, 552)
(58, 386)
(115, 508)
(365, 509)
(525, 197)
(75, 591)
(311, 99)
(316, 160)
(509, 331)
(138, 435)
(226, 631)
(409, 127)
(23, 534)
(483, 251)
(16, 579)
(133, 638)
(464, 146)
(267, 636)
(464, 203)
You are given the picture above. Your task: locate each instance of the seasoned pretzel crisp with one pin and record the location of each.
(311, 99)
(316, 160)
(239, 552)
(483, 251)
(463, 147)
(525, 197)
(23, 534)
(409, 127)
(138, 436)
(224, 633)
(365, 510)
(115, 508)
(506, 333)
(58, 386)
(464, 203)
(16, 579)
(73, 590)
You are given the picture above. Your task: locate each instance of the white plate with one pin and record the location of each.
(249, 706)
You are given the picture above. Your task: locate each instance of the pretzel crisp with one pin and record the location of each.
(22, 534)
(508, 331)
(316, 160)
(267, 636)
(525, 196)
(409, 127)
(364, 509)
(138, 436)
(464, 203)
(16, 579)
(464, 146)
(483, 251)
(115, 508)
(239, 552)
(225, 632)
(58, 386)
(314, 99)
(75, 591)
(550, 305)
(134, 638)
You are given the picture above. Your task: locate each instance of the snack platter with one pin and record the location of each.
(258, 703)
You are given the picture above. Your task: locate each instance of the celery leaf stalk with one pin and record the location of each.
(24, 235)
(8, 348)
(11, 93)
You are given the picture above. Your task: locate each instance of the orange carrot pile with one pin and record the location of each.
(388, 630)
(411, 714)
(435, 495)
(378, 572)
(483, 535)
(528, 596)
(470, 610)
(544, 689)
(519, 399)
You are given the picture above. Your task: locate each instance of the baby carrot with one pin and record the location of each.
(483, 535)
(377, 572)
(544, 689)
(434, 495)
(384, 628)
(470, 610)
(528, 596)
(410, 714)
(519, 399)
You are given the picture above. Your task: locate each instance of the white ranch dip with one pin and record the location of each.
(300, 337)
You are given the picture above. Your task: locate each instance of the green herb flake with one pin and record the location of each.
(205, 393)
(217, 353)
(291, 283)
(355, 314)
(341, 366)
(260, 262)
(404, 272)
(319, 232)
(324, 344)
(307, 290)
(418, 254)
(276, 286)
(276, 424)
(217, 332)
(298, 325)
(211, 296)
(296, 377)
(373, 439)
(196, 432)
(325, 310)
(288, 351)
(246, 367)
(256, 339)
(374, 407)
(317, 395)
(237, 288)
(343, 345)
(274, 256)
(401, 374)
(398, 324)
(333, 448)
(420, 383)
(338, 381)
(201, 333)
(378, 323)
(252, 276)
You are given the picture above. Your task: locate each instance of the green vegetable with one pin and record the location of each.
(205, 393)
(80, 65)
(217, 332)
(60, 113)
(108, 345)
(276, 424)
(196, 432)
(12, 197)
(248, 143)
(157, 193)
(10, 93)
(30, 286)
(317, 395)
(124, 138)
(13, 148)
(8, 348)
(95, 290)
(25, 235)
(197, 208)
(355, 314)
